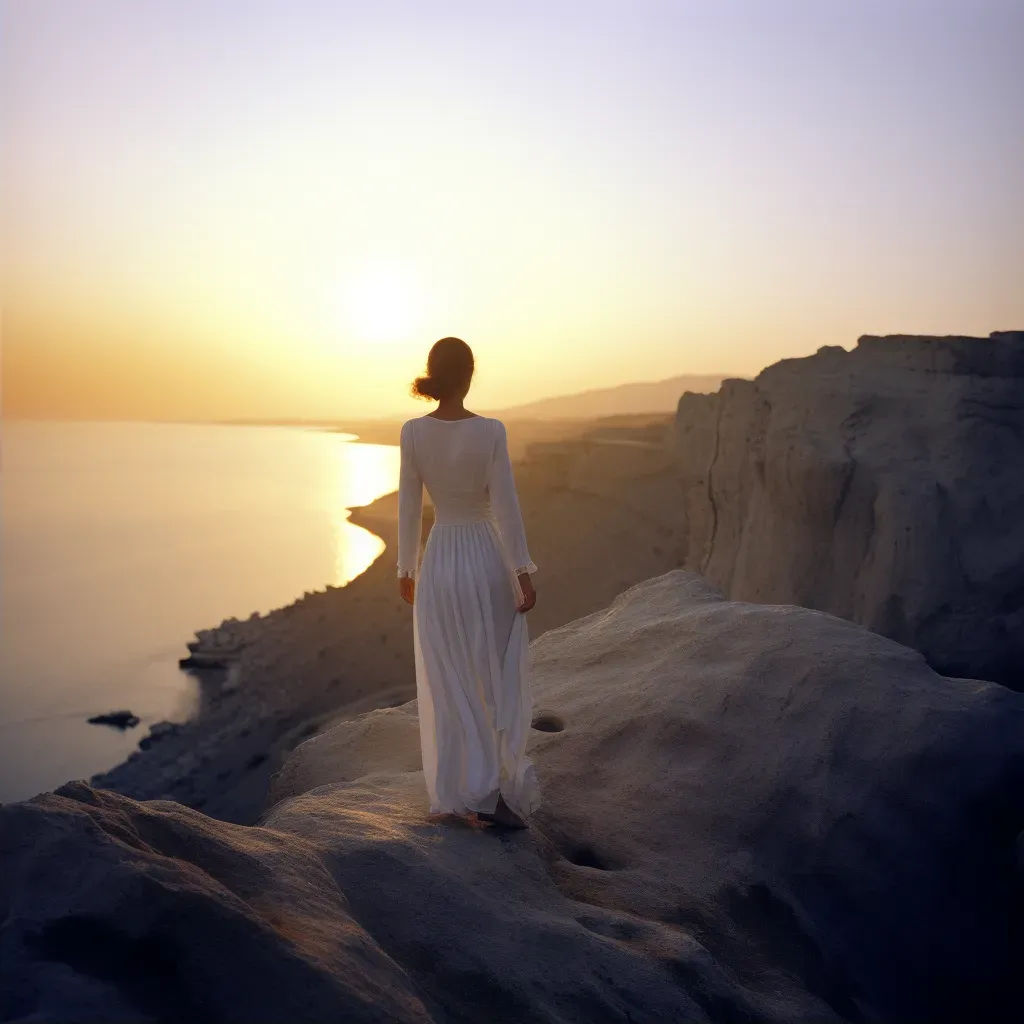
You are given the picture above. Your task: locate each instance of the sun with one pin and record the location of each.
(380, 304)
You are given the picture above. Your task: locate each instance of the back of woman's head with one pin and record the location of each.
(449, 371)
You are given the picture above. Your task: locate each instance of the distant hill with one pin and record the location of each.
(653, 396)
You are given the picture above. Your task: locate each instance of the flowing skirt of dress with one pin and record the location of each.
(472, 674)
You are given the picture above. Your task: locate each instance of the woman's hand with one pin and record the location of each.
(529, 593)
(407, 588)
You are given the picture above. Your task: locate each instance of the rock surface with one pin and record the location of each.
(884, 485)
(751, 812)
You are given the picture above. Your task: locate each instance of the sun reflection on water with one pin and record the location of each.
(365, 472)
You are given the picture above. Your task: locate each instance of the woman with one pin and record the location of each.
(469, 600)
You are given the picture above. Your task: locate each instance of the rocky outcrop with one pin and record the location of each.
(884, 485)
(751, 812)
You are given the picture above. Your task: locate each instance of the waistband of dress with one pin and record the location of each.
(469, 520)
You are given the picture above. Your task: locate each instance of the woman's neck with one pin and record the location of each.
(450, 409)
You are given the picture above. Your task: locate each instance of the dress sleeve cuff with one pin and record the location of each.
(410, 573)
(529, 567)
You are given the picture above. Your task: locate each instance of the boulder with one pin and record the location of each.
(884, 485)
(751, 812)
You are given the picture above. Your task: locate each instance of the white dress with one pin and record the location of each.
(471, 645)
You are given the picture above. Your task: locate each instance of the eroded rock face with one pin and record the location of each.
(116, 910)
(751, 812)
(884, 485)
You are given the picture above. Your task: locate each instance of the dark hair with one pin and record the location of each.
(449, 370)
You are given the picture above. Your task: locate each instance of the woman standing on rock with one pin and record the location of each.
(469, 599)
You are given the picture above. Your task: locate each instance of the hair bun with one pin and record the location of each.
(426, 386)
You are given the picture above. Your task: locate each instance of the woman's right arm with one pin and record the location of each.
(505, 502)
(410, 508)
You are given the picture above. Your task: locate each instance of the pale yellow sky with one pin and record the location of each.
(220, 211)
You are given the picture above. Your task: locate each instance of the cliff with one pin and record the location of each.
(884, 485)
(751, 812)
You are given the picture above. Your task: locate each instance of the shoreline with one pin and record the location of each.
(338, 652)
(254, 712)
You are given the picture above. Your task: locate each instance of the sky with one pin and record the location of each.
(216, 209)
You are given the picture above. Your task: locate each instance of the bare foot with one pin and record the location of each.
(503, 815)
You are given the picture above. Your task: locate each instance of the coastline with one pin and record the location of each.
(338, 652)
(296, 668)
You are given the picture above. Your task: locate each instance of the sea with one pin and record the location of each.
(119, 540)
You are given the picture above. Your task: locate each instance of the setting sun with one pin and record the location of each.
(380, 304)
(285, 237)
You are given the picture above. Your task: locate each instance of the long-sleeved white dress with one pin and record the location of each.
(471, 645)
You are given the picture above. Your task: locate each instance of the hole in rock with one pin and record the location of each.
(584, 856)
(547, 721)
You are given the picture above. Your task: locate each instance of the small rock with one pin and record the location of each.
(119, 719)
(201, 660)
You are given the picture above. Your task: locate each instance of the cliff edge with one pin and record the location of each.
(884, 485)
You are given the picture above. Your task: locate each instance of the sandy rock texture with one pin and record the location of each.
(884, 485)
(751, 813)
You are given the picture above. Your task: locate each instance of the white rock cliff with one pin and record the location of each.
(884, 485)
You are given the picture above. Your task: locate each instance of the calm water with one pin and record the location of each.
(120, 540)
